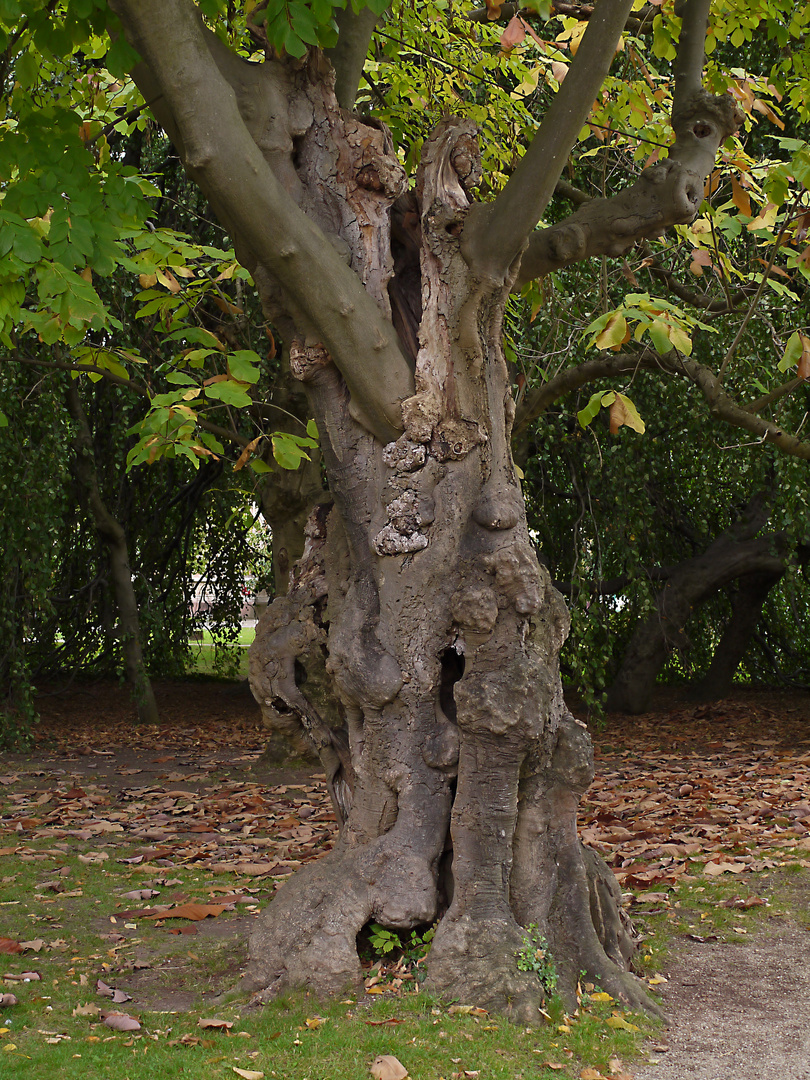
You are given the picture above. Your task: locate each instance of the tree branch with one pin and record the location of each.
(721, 405)
(222, 157)
(495, 233)
(667, 193)
(349, 55)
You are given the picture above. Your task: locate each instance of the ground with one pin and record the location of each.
(703, 813)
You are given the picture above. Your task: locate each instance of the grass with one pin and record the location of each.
(231, 663)
(54, 1026)
(69, 896)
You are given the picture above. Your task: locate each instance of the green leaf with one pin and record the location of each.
(793, 351)
(589, 413)
(312, 429)
(244, 365)
(231, 393)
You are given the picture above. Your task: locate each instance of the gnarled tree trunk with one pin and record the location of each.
(442, 633)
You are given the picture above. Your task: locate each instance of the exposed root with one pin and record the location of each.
(475, 963)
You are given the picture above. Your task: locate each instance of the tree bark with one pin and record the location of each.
(114, 539)
(442, 634)
(736, 553)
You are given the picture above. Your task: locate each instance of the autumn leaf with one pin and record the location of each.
(10, 946)
(623, 412)
(224, 1025)
(243, 458)
(190, 911)
(514, 33)
(617, 1021)
(247, 1074)
(740, 196)
(121, 1022)
(387, 1067)
(615, 333)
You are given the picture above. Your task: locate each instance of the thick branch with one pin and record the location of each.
(495, 233)
(349, 55)
(668, 193)
(222, 157)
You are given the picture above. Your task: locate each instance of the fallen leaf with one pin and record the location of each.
(313, 1022)
(619, 1022)
(32, 946)
(121, 1022)
(591, 1074)
(10, 946)
(7, 999)
(247, 1074)
(225, 1024)
(195, 912)
(86, 1010)
(387, 1067)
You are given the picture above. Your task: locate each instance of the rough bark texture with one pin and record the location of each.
(460, 769)
(114, 539)
(735, 554)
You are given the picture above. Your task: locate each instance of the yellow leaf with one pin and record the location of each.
(620, 1023)
(169, 280)
(591, 1074)
(766, 219)
(247, 1074)
(375, 990)
(563, 1029)
(315, 1021)
(600, 995)
(147, 280)
(614, 334)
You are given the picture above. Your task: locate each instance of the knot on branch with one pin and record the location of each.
(307, 360)
(705, 116)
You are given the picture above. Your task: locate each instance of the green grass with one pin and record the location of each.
(296, 1039)
(49, 1032)
(204, 656)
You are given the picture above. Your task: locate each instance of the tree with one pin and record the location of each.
(425, 561)
(454, 766)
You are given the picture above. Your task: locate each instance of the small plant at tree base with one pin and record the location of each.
(383, 941)
(535, 955)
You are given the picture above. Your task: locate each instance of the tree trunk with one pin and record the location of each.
(746, 608)
(734, 554)
(453, 763)
(115, 541)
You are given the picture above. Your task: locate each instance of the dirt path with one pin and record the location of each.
(738, 1012)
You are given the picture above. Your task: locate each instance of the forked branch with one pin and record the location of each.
(496, 232)
(669, 192)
